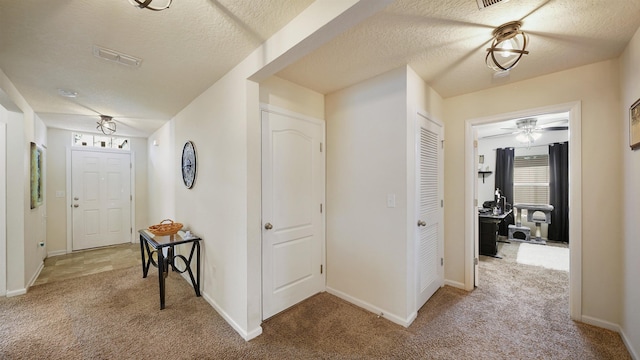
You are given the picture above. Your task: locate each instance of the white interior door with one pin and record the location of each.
(292, 200)
(100, 198)
(430, 234)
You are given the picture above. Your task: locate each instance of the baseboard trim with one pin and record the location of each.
(601, 323)
(246, 335)
(627, 343)
(12, 293)
(455, 284)
(56, 253)
(35, 276)
(374, 309)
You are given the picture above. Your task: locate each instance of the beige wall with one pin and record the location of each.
(366, 152)
(630, 92)
(596, 86)
(287, 95)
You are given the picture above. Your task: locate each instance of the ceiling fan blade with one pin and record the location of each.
(553, 128)
(498, 135)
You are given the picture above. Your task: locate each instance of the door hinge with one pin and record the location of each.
(441, 261)
(130, 230)
(475, 261)
(442, 203)
(130, 165)
(320, 268)
(130, 197)
(320, 208)
(442, 144)
(475, 144)
(320, 147)
(475, 202)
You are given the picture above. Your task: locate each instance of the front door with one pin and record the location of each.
(430, 234)
(292, 210)
(100, 198)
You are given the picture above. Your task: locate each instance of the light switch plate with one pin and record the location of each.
(391, 200)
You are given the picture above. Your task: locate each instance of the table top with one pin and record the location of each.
(158, 241)
(497, 217)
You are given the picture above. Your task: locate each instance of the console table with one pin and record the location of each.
(163, 263)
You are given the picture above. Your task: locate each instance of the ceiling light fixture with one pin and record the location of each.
(67, 93)
(508, 46)
(106, 124)
(146, 4)
(527, 131)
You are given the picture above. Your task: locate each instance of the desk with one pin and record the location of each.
(158, 243)
(489, 233)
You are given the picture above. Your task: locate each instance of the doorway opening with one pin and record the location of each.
(474, 197)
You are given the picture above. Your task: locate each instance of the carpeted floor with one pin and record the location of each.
(518, 312)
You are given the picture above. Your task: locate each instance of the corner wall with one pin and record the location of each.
(630, 253)
(366, 239)
(596, 86)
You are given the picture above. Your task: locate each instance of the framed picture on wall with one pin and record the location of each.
(634, 125)
(37, 186)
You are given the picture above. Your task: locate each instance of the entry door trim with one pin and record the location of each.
(69, 203)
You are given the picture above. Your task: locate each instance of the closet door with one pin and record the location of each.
(430, 234)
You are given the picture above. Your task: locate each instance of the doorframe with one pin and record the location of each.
(132, 203)
(3, 208)
(575, 196)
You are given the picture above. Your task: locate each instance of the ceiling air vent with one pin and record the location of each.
(483, 4)
(115, 56)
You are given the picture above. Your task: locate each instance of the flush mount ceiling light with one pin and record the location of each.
(106, 124)
(146, 4)
(508, 46)
(67, 93)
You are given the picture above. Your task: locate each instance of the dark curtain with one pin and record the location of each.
(559, 191)
(504, 182)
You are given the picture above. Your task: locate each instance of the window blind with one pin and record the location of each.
(531, 179)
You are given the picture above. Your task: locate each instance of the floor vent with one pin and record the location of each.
(483, 4)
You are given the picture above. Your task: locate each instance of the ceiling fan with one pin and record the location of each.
(527, 130)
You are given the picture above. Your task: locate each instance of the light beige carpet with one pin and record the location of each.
(521, 312)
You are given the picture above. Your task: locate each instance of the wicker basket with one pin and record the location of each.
(166, 227)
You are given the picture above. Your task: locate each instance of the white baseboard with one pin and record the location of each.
(627, 343)
(246, 335)
(35, 276)
(374, 309)
(12, 293)
(56, 253)
(454, 284)
(600, 323)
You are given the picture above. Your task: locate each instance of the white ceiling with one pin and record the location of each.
(45, 46)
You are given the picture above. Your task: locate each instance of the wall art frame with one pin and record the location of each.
(634, 125)
(37, 176)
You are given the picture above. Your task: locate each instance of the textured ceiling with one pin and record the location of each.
(47, 45)
(445, 42)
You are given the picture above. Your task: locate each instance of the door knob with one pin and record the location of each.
(268, 226)
(421, 223)
(76, 198)
(75, 205)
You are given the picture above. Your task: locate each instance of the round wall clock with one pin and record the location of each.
(188, 164)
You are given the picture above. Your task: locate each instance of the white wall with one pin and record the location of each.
(366, 240)
(287, 95)
(630, 252)
(163, 163)
(596, 86)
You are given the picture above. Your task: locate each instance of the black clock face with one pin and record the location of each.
(188, 164)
